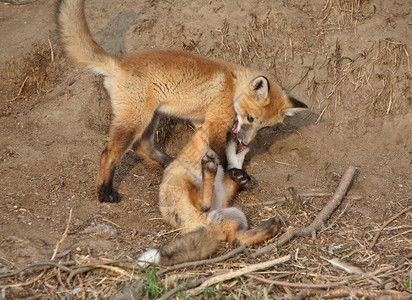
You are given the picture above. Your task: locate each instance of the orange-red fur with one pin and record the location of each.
(181, 194)
(145, 84)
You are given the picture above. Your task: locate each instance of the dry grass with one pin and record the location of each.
(29, 79)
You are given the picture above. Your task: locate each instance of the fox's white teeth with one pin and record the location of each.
(235, 127)
(240, 147)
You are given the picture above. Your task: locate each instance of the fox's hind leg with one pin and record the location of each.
(145, 148)
(265, 231)
(210, 164)
(124, 131)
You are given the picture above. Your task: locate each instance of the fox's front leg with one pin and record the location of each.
(210, 164)
(235, 176)
(217, 135)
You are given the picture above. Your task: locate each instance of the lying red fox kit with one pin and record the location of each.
(194, 175)
(145, 84)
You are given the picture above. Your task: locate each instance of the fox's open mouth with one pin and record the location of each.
(235, 129)
(240, 147)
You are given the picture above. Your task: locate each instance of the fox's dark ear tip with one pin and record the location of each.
(297, 103)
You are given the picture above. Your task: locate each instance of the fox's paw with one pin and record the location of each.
(210, 162)
(215, 217)
(271, 226)
(108, 196)
(240, 176)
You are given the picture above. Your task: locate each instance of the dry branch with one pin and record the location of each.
(63, 236)
(240, 272)
(282, 200)
(321, 218)
(303, 195)
(299, 284)
(18, 2)
(385, 224)
(204, 262)
(30, 282)
(228, 275)
(362, 293)
(41, 265)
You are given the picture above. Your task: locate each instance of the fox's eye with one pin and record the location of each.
(250, 118)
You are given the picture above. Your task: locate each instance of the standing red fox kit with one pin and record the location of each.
(145, 84)
(193, 176)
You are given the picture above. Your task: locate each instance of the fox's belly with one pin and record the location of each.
(184, 110)
(176, 207)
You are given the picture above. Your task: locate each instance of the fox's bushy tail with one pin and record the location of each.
(227, 224)
(75, 37)
(196, 245)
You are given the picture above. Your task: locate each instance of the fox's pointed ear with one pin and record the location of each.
(295, 107)
(260, 85)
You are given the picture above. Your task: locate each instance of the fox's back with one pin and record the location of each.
(181, 84)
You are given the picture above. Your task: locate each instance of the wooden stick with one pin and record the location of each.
(385, 224)
(3, 287)
(299, 284)
(184, 285)
(204, 262)
(18, 2)
(22, 86)
(363, 293)
(63, 236)
(319, 221)
(304, 195)
(41, 264)
(282, 199)
(238, 273)
(118, 270)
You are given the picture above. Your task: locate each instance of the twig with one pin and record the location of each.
(299, 284)
(394, 236)
(385, 224)
(282, 200)
(365, 276)
(321, 114)
(17, 2)
(51, 50)
(285, 164)
(319, 221)
(363, 293)
(204, 262)
(184, 285)
(42, 264)
(336, 219)
(111, 222)
(25, 283)
(101, 264)
(390, 98)
(77, 271)
(233, 274)
(346, 292)
(21, 87)
(300, 80)
(117, 270)
(63, 236)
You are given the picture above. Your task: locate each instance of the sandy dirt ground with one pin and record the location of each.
(348, 60)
